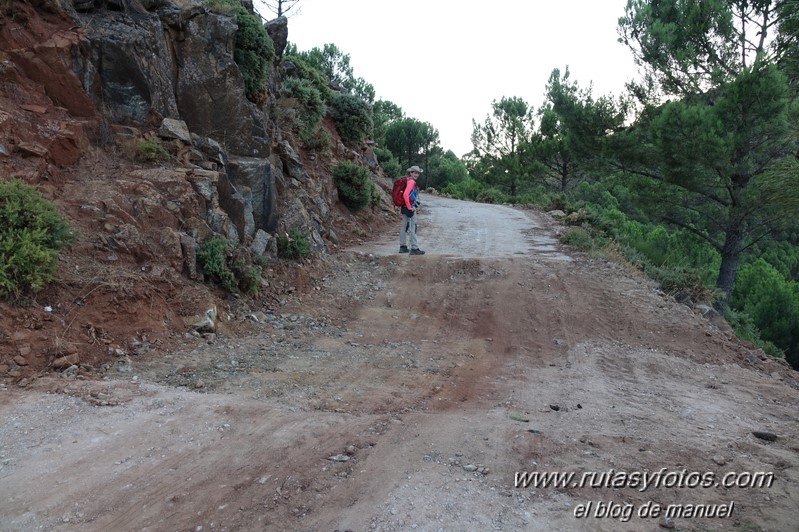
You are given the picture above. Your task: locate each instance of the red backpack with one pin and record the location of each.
(398, 192)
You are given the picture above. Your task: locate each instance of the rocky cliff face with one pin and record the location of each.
(83, 84)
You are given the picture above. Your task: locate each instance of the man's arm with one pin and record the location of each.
(407, 194)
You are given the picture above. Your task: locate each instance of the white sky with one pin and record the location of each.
(445, 61)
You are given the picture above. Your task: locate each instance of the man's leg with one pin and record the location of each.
(412, 231)
(403, 233)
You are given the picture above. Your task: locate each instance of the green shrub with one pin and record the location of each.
(469, 188)
(32, 232)
(352, 117)
(772, 302)
(558, 202)
(304, 70)
(376, 196)
(680, 279)
(578, 237)
(383, 154)
(491, 195)
(532, 198)
(254, 50)
(745, 328)
(310, 100)
(247, 274)
(293, 245)
(212, 257)
(391, 168)
(355, 187)
(233, 269)
(151, 150)
(317, 140)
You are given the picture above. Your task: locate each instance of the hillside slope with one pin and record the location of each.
(131, 283)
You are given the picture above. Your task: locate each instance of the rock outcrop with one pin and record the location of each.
(136, 122)
(115, 70)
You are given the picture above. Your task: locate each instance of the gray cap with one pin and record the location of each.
(414, 169)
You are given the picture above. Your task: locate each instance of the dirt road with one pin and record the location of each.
(408, 393)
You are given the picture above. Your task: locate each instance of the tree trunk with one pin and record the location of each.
(730, 255)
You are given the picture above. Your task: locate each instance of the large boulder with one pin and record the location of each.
(258, 176)
(142, 67)
(209, 86)
(126, 69)
(236, 203)
(278, 30)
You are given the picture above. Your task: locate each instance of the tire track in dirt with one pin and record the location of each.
(431, 380)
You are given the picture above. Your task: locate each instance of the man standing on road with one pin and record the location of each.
(409, 213)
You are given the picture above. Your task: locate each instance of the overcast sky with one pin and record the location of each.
(445, 61)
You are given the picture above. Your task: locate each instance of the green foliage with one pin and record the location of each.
(773, 304)
(492, 195)
(711, 148)
(685, 187)
(376, 197)
(690, 46)
(781, 255)
(254, 50)
(306, 71)
(578, 237)
(467, 189)
(678, 260)
(570, 122)
(392, 168)
(410, 140)
(500, 139)
(212, 257)
(557, 201)
(745, 328)
(384, 113)
(32, 232)
(444, 169)
(233, 269)
(679, 279)
(247, 274)
(383, 154)
(293, 245)
(317, 140)
(151, 150)
(335, 66)
(354, 184)
(389, 163)
(577, 122)
(311, 105)
(352, 117)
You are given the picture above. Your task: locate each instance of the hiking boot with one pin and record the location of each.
(417, 251)
(403, 249)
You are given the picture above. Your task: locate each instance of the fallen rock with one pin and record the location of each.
(66, 361)
(204, 323)
(767, 436)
